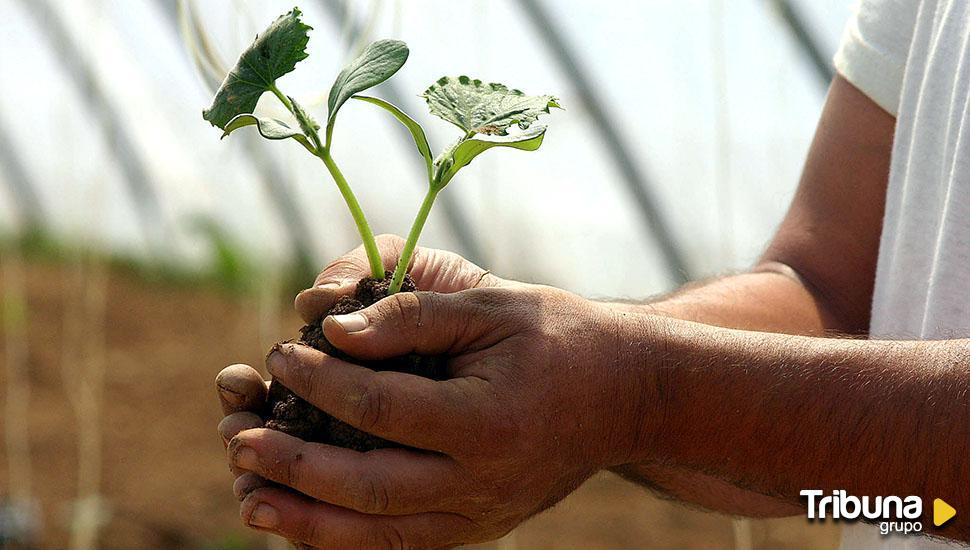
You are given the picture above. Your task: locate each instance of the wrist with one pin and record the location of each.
(637, 373)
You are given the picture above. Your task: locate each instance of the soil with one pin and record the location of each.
(289, 413)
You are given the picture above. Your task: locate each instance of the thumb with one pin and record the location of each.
(427, 323)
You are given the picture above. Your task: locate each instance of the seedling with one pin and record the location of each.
(485, 113)
(489, 115)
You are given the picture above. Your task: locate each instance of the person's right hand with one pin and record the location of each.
(242, 390)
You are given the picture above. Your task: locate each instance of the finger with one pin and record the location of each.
(425, 323)
(430, 269)
(409, 409)
(340, 277)
(240, 388)
(446, 272)
(234, 423)
(314, 303)
(319, 524)
(383, 481)
(231, 425)
(353, 266)
(247, 483)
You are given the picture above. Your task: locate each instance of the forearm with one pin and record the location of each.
(779, 414)
(770, 298)
(745, 301)
(816, 277)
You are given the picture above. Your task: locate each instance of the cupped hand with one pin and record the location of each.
(240, 387)
(531, 410)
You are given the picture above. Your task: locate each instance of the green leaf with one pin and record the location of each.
(480, 108)
(269, 128)
(465, 150)
(417, 132)
(376, 63)
(274, 53)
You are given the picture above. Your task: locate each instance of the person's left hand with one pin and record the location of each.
(536, 403)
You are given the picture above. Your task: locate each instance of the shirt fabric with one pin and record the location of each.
(912, 57)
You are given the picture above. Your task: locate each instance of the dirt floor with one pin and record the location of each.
(164, 476)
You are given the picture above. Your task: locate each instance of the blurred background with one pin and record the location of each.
(140, 254)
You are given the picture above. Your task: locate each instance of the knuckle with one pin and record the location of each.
(371, 494)
(480, 298)
(372, 407)
(389, 537)
(309, 381)
(405, 309)
(293, 471)
(390, 239)
(312, 531)
(348, 266)
(424, 317)
(490, 303)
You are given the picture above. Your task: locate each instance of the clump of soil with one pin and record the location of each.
(289, 413)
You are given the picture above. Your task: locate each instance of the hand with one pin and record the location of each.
(242, 391)
(531, 410)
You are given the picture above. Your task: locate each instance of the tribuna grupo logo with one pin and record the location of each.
(893, 514)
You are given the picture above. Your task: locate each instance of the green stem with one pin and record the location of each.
(412, 241)
(282, 97)
(366, 235)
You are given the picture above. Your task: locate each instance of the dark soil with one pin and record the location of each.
(289, 413)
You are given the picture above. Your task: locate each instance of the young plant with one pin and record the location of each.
(485, 113)
(489, 115)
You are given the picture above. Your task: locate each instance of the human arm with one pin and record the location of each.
(815, 278)
(843, 148)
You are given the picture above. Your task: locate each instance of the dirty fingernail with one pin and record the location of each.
(276, 363)
(354, 322)
(264, 516)
(245, 458)
(231, 397)
(245, 484)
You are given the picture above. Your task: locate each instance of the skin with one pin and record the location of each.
(732, 394)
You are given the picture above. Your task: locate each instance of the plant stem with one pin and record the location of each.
(366, 235)
(412, 241)
(323, 152)
(282, 97)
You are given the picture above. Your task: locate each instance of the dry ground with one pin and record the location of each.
(164, 473)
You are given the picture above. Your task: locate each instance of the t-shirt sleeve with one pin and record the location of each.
(875, 46)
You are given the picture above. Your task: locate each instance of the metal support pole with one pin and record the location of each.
(807, 43)
(29, 206)
(634, 179)
(141, 185)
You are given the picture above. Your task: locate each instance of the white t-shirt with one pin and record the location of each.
(912, 57)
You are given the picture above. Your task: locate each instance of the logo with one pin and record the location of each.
(942, 512)
(893, 514)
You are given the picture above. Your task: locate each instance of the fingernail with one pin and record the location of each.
(353, 322)
(245, 458)
(264, 516)
(328, 286)
(245, 484)
(276, 363)
(233, 398)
